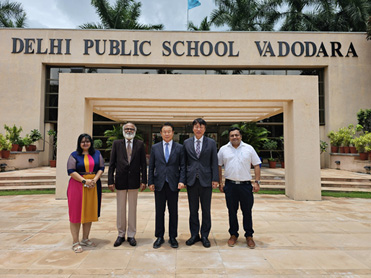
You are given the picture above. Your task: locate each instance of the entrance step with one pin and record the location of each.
(269, 180)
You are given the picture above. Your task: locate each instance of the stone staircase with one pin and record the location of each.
(268, 181)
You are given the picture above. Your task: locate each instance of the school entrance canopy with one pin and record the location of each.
(163, 98)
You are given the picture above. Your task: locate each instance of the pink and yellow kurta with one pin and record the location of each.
(83, 202)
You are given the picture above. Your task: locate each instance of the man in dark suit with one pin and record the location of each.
(202, 176)
(166, 175)
(128, 160)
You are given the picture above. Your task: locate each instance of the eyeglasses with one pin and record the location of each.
(129, 129)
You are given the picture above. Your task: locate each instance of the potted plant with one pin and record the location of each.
(5, 146)
(97, 143)
(323, 146)
(251, 134)
(335, 141)
(27, 143)
(346, 137)
(13, 135)
(53, 136)
(361, 143)
(271, 145)
(353, 132)
(35, 136)
(281, 155)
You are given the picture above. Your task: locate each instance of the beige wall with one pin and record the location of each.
(22, 76)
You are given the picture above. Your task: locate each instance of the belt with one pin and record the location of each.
(238, 182)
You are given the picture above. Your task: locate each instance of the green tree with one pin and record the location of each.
(124, 14)
(204, 25)
(12, 15)
(241, 15)
(341, 15)
(319, 15)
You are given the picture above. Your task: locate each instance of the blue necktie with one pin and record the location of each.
(167, 152)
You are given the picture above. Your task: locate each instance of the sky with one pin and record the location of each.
(72, 13)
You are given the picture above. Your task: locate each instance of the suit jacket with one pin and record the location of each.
(128, 175)
(205, 167)
(173, 170)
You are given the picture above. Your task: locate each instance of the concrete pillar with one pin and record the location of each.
(75, 116)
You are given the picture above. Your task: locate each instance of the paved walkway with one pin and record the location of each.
(328, 238)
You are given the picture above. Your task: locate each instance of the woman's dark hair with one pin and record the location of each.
(87, 136)
(199, 121)
(233, 129)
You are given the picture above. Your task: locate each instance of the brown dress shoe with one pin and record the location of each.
(250, 242)
(232, 241)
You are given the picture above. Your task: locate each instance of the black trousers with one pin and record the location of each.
(171, 198)
(235, 195)
(196, 195)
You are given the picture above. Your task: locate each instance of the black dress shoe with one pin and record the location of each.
(205, 242)
(159, 241)
(193, 240)
(132, 241)
(173, 242)
(119, 241)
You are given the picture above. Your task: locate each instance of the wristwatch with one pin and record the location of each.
(83, 182)
(258, 182)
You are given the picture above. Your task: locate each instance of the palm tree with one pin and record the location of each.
(12, 15)
(204, 26)
(320, 15)
(241, 15)
(123, 14)
(293, 13)
(342, 15)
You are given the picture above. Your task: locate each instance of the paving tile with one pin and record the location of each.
(329, 238)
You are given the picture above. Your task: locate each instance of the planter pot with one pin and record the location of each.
(5, 154)
(282, 164)
(346, 149)
(33, 148)
(272, 164)
(353, 149)
(369, 155)
(341, 149)
(53, 163)
(28, 148)
(20, 148)
(14, 148)
(363, 156)
(334, 149)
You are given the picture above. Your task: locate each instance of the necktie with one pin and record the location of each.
(128, 150)
(167, 152)
(198, 148)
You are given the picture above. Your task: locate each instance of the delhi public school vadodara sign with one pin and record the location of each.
(40, 46)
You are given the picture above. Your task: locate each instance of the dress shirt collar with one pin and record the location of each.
(201, 139)
(170, 144)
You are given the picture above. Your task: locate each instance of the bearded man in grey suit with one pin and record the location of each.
(202, 175)
(166, 175)
(127, 172)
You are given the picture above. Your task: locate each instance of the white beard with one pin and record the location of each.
(129, 136)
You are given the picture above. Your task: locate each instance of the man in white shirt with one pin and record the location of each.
(237, 158)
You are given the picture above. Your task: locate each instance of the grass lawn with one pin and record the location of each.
(364, 195)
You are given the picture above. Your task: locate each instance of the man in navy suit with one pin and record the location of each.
(202, 176)
(166, 175)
